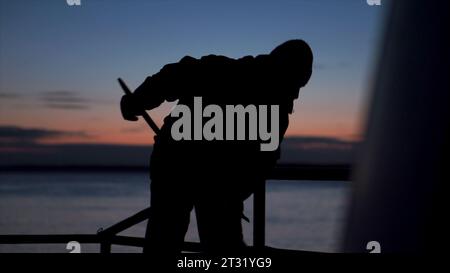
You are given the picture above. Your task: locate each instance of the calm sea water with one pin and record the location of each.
(303, 215)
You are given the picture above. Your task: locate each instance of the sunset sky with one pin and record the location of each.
(59, 64)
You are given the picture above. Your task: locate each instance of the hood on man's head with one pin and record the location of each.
(295, 54)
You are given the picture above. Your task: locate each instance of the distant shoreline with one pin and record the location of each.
(32, 168)
(337, 172)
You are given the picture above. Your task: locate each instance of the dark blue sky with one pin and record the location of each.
(47, 46)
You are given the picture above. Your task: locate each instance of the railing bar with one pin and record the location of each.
(127, 223)
(49, 239)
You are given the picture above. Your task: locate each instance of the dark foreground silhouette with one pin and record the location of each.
(214, 177)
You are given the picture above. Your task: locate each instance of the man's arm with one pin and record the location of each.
(164, 85)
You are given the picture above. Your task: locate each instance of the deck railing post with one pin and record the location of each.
(259, 215)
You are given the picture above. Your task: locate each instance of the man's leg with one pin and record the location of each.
(171, 206)
(219, 222)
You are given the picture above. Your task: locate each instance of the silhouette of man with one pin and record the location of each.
(214, 177)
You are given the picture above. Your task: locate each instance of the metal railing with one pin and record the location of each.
(109, 236)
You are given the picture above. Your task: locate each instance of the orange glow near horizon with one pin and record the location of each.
(104, 124)
(109, 128)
